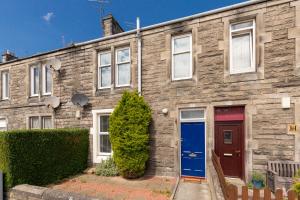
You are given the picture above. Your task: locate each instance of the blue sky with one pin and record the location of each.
(34, 26)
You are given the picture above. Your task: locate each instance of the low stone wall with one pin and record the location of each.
(29, 192)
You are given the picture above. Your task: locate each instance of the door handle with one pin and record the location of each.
(192, 155)
(238, 152)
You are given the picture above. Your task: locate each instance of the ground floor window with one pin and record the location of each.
(40, 122)
(3, 124)
(104, 142)
(102, 149)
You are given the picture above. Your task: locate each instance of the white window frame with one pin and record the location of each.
(99, 69)
(6, 122)
(200, 119)
(41, 121)
(243, 31)
(117, 67)
(102, 133)
(44, 80)
(5, 85)
(30, 122)
(178, 53)
(32, 94)
(97, 156)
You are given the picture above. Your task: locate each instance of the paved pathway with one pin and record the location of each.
(192, 191)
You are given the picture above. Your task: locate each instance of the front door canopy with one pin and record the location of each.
(229, 113)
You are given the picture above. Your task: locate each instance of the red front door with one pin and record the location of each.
(229, 139)
(229, 147)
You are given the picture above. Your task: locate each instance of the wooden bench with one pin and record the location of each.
(280, 174)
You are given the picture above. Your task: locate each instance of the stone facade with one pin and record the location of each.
(266, 126)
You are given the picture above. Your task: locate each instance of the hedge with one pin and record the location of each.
(40, 157)
(129, 134)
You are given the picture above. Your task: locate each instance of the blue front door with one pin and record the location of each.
(193, 149)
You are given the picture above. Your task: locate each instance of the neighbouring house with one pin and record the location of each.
(226, 79)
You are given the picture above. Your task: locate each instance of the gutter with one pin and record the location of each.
(215, 11)
(139, 50)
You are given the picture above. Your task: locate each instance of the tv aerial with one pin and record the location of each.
(101, 3)
(80, 100)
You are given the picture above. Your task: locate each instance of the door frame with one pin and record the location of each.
(242, 123)
(195, 120)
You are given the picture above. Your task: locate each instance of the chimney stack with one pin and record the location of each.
(8, 56)
(111, 26)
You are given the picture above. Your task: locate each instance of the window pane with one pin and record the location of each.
(182, 44)
(105, 76)
(192, 114)
(35, 79)
(242, 25)
(5, 85)
(48, 81)
(124, 74)
(123, 55)
(104, 123)
(34, 122)
(228, 137)
(3, 126)
(182, 65)
(105, 59)
(105, 146)
(241, 53)
(47, 122)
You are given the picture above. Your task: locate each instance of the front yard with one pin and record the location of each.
(117, 188)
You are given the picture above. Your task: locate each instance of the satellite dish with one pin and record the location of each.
(54, 64)
(80, 99)
(52, 101)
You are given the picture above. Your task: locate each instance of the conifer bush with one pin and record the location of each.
(129, 134)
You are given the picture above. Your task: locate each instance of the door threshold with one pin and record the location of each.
(193, 179)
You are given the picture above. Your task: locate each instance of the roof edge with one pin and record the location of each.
(190, 17)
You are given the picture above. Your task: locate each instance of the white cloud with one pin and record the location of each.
(48, 16)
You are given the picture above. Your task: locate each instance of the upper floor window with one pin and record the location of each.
(123, 67)
(182, 57)
(5, 84)
(47, 80)
(104, 70)
(44, 122)
(34, 80)
(242, 47)
(45, 77)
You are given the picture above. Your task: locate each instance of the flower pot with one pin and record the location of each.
(258, 184)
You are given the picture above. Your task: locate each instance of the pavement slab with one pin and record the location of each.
(192, 191)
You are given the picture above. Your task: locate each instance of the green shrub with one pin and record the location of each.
(296, 187)
(107, 168)
(40, 157)
(296, 182)
(129, 135)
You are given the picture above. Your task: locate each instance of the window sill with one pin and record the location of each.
(123, 86)
(182, 79)
(243, 77)
(6, 99)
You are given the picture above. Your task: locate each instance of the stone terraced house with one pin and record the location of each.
(226, 79)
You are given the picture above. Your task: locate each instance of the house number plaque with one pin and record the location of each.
(292, 128)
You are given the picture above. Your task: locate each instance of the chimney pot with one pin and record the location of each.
(111, 26)
(8, 56)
